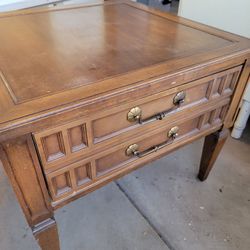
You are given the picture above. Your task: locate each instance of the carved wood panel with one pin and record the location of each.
(213, 117)
(60, 143)
(53, 146)
(69, 179)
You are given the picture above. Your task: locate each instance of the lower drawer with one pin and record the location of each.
(112, 162)
(149, 145)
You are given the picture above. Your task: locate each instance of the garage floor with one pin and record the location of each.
(161, 206)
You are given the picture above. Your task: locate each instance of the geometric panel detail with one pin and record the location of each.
(213, 117)
(77, 138)
(218, 86)
(224, 83)
(230, 82)
(223, 112)
(53, 146)
(61, 183)
(61, 144)
(82, 174)
(205, 120)
(72, 178)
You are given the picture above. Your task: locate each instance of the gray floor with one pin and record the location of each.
(161, 206)
(157, 4)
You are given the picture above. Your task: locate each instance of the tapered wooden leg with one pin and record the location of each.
(212, 146)
(46, 234)
(22, 166)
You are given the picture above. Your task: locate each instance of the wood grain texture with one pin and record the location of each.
(65, 142)
(212, 146)
(62, 73)
(235, 105)
(23, 169)
(70, 75)
(76, 55)
(22, 166)
(113, 98)
(46, 234)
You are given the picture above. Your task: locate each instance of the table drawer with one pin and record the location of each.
(142, 148)
(161, 105)
(90, 171)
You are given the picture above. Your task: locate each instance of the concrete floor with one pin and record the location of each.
(157, 4)
(161, 206)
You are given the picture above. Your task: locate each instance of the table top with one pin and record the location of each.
(53, 57)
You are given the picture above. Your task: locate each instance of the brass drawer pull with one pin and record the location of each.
(133, 149)
(135, 114)
(179, 98)
(173, 132)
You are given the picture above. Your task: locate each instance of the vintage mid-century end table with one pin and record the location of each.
(90, 93)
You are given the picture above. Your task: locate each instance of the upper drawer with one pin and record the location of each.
(161, 105)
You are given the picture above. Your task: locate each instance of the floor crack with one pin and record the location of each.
(162, 237)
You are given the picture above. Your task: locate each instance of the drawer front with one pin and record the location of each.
(147, 112)
(144, 147)
(110, 163)
(63, 144)
(166, 103)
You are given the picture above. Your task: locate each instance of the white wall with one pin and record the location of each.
(229, 15)
(9, 5)
(81, 1)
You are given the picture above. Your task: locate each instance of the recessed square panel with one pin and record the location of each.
(61, 183)
(231, 82)
(77, 138)
(217, 115)
(218, 86)
(82, 174)
(53, 146)
(223, 112)
(204, 123)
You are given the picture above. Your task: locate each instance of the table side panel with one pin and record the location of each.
(22, 166)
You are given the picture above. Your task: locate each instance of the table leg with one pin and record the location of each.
(46, 234)
(212, 146)
(22, 166)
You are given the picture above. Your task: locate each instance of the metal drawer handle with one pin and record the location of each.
(134, 148)
(135, 114)
(179, 98)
